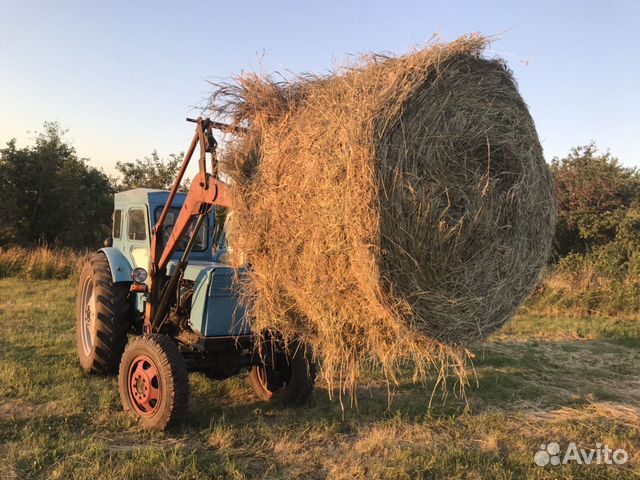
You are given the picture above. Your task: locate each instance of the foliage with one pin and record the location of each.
(49, 194)
(597, 261)
(595, 193)
(151, 172)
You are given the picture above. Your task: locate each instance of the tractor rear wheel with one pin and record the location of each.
(103, 317)
(287, 376)
(153, 381)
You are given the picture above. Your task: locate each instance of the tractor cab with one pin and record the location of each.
(136, 213)
(206, 295)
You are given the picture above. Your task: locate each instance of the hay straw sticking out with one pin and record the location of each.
(392, 212)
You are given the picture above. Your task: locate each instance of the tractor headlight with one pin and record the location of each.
(139, 275)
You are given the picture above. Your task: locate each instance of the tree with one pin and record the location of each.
(152, 172)
(594, 194)
(49, 194)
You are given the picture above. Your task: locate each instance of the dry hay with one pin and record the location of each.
(392, 211)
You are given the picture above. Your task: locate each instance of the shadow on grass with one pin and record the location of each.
(509, 376)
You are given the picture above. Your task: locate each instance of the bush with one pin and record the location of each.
(595, 194)
(48, 193)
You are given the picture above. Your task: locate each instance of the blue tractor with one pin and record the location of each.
(159, 300)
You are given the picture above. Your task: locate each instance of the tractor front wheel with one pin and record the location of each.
(287, 376)
(103, 317)
(153, 381)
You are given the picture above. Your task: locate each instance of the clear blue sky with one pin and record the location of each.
(123, 75)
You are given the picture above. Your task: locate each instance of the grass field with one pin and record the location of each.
(540, 380)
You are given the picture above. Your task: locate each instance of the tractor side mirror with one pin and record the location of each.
(108, 242)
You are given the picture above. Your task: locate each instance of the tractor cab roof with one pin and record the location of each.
(147, 196)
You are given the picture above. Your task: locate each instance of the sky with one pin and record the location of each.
(122, 76)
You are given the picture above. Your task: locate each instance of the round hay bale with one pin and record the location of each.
(395, 210)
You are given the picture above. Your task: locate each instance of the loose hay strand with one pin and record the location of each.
(392, 212)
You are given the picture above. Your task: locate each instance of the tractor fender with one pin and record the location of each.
(118, 264)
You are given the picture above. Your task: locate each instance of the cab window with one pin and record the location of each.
(136, 227)
(117, 223)
(200, 244)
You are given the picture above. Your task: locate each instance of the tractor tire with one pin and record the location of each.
(153, 382)
(290, 381)
(103, 317)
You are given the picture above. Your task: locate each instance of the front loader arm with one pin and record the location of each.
(205, 192)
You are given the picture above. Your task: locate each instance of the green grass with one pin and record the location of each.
(540, 380)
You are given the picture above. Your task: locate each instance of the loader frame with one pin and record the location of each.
(206, 191)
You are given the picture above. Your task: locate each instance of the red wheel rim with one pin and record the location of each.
(144, 386)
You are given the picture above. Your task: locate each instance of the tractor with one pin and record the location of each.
(160, 299)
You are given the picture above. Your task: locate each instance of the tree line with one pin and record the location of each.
(50, 195)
